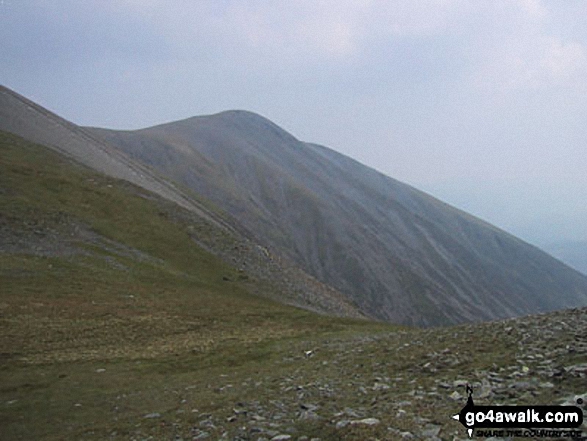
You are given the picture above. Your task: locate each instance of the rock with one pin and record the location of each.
(456, 396)
(342, 423)
(486, 391)
(201, 435)
(574, 400)
(399, 434)
(351, 412)
(380, 386)
(239, 411)
(281, 437)
(430, 431)
(523, 385)
(579, 370)
(366, 421)
(309, 415)
(152, 415)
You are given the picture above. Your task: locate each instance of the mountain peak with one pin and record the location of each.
(248, 119)
(397, 254)
(240, 114)
(225, 126)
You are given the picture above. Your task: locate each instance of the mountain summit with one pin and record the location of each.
(394, 252)
(398, 253)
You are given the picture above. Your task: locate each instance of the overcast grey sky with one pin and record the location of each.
(480, 103)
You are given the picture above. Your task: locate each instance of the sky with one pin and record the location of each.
(481, 103)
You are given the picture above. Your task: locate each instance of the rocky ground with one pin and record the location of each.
(403, 385)
(375, 385)
(113, 326)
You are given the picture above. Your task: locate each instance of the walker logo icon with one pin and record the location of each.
(520, 421)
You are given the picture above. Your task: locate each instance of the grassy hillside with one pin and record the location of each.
(398, 254)
(115, 325)
(96, 273)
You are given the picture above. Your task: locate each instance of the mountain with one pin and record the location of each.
(278, 277)
(23, 117)
(139, 316)
(121, 308)
(572, 253)
(106, 286)
(396, 252)
(328, 233)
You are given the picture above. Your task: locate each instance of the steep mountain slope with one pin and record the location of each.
(398, 253)
(22, 117)
(134, 316)
(572, 253)
(113, 311)
(97, 274)
(281, 279)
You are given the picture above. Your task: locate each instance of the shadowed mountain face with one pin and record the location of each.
(398, 253)
(280, 278)
(393, 251)
(113, 296)
(23, 117)
(572, 253)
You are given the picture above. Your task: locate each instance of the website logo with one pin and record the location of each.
(521, 421)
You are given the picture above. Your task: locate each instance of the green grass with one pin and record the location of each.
(120, 315)
(136, 297)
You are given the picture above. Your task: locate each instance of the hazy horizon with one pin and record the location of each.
(479, 105)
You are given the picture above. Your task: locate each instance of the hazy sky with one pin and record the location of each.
(480, 103)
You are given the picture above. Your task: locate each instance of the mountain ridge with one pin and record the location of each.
(116, 305)
(22, 117)
(397, 253)
(321, 208)
(572, 253)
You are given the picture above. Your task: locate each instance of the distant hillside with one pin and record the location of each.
(396, 252)
(572, 253)
(99, 276)
(278, 277)
(332, 235)
(139, 309)
(25, 118)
